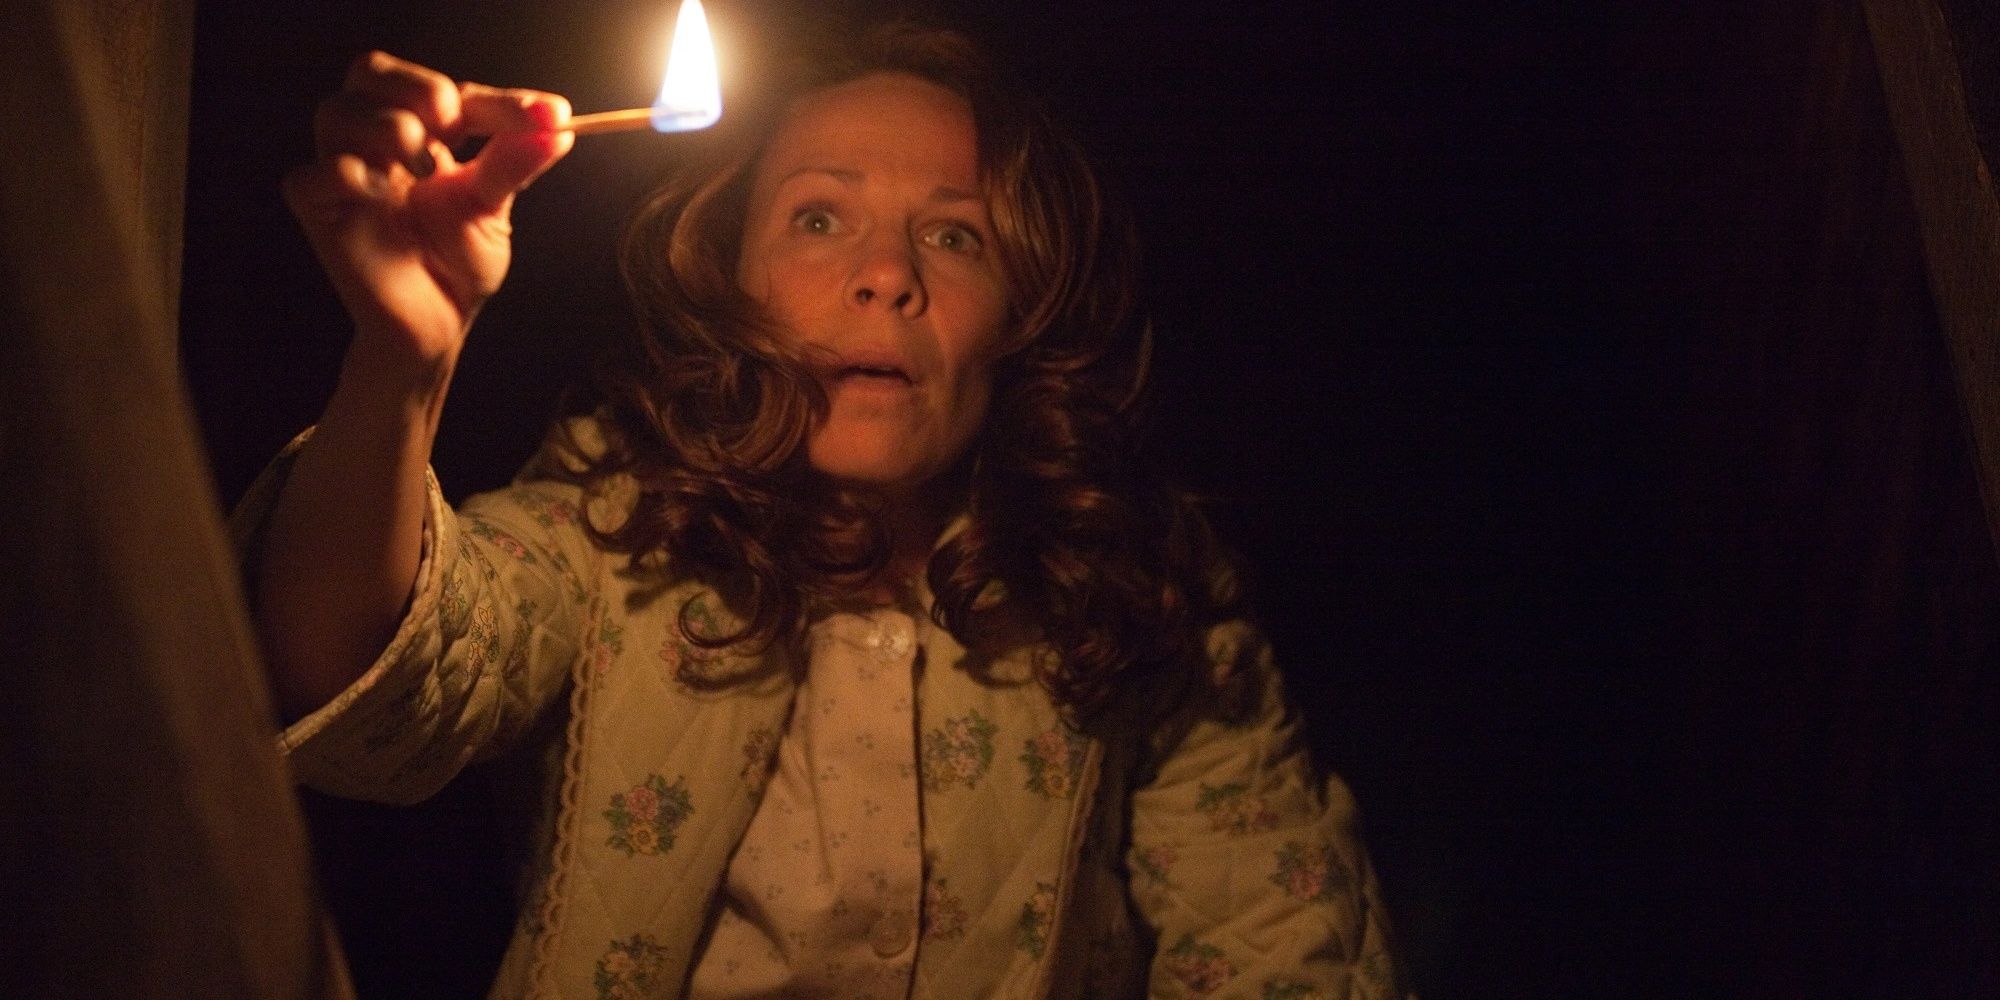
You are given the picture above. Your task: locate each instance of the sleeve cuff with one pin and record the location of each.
(395, 676)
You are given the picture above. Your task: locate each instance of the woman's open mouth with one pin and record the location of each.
(873, 373)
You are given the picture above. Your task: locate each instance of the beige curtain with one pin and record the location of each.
(150, 845)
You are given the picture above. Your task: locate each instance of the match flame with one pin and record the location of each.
(691, 95)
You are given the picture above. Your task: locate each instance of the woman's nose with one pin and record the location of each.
(886, 276)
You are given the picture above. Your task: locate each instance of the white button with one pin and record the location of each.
(892, 933)
(889, 641)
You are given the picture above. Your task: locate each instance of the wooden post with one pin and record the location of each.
(1952, 187)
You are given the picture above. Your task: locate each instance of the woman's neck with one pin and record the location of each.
(914, 518)
(914, 525)
(913, 521)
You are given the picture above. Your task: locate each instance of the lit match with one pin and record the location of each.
(690, 94)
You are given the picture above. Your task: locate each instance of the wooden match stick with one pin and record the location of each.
(628, 120)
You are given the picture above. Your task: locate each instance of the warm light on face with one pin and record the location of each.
(691, 95)
(867, 238)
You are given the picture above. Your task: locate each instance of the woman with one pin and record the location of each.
(862, 658)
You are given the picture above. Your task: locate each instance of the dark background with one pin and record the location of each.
(1567, 373)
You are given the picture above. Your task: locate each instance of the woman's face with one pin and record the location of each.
(870, 240)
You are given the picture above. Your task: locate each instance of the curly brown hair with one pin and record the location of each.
(1067, 529)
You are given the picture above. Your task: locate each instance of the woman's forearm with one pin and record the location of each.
(343, 543)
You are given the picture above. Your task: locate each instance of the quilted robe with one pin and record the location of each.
(1202, 859)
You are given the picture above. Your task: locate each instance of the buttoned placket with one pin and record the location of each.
(844, 816)
(882, 858)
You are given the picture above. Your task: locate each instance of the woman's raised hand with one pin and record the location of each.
(414, 240)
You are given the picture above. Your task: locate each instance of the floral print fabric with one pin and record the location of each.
(1053, 759)
(1309, 874)
(630, 969)
(1239, 861)
(1234, 813)
(1202, 968)
(644, 819)
(957, 755)
(1036, 916)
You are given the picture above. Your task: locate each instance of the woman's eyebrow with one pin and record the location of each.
(845, 175)
(946, 192)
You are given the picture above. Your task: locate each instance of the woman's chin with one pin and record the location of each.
(872, 464)
(885, 476)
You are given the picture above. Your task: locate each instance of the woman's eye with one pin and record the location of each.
(815, 220)
(955, 238)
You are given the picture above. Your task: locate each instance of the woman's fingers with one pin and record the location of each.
(395, 113)
(325, 192)
(488, 110)
(389, 130)
(348, 124)
(528, 129)
(389, 111)
(329, 198)
(385, 80)
(412, 238)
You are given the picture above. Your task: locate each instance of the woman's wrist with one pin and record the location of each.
(389, 374)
